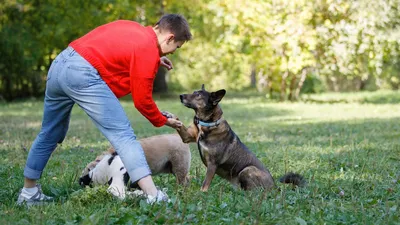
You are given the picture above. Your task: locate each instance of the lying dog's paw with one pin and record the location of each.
(117, 190)
(169, 115)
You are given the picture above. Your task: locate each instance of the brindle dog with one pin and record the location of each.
(220, 148)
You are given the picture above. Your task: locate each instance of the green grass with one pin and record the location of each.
(348, 151)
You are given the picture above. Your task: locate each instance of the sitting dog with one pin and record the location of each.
(164, 154)
(220, 148)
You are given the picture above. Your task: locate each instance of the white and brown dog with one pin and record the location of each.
(164, 153)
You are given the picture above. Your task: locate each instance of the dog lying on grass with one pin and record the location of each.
(164, 153)
(220, 148)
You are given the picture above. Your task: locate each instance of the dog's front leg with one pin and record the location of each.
(188, 134)
(211, 168)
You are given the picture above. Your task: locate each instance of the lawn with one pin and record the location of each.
(348, 150)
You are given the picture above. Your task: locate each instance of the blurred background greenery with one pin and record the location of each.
(279, 48)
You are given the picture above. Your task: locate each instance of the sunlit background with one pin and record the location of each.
(279, 48)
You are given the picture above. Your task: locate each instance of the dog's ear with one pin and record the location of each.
(202, 87)
(216, 97)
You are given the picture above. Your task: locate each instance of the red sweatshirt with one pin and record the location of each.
(127, 57)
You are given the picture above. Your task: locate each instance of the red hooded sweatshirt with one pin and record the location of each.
(127, 56)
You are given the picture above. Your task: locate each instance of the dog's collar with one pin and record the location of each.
(205, 124)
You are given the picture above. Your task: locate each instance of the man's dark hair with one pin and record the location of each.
(177, 25)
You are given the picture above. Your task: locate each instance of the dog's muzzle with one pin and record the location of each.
(85, 180)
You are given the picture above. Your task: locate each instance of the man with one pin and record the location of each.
(95, 70)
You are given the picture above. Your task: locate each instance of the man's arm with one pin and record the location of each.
(142, 96)
(143, 68)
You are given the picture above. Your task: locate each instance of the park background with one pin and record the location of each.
(312, 87)
(280, 48)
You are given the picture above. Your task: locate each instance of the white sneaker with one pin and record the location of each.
(160, 197)
(37, 199)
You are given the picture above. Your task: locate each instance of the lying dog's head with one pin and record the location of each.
(86, 176)
(85, 180)
(202, 101)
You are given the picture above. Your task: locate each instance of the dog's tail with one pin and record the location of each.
(293, 178)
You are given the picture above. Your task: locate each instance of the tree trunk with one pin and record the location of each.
(262, 81)
(292, 88)
(334, 82)
(160, 83)
(361, 84)
(253, 76)
(285, 75)
(301, 82)
(34, 80)
(7, 89)
(162, 11)
(283, 85)
(271, 93)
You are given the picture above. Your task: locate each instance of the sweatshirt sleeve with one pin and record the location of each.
(142, 72)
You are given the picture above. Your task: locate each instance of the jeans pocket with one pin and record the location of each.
(80, 76)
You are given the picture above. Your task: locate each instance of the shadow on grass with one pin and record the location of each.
(378, 97)
(328, 134)
(384, 98)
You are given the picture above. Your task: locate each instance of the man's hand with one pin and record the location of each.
(165, 62)
(172, 120)
(173, 123)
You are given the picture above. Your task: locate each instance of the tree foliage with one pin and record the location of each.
(286, 47)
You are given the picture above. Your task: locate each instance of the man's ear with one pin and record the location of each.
(216, 97)
(170, 38)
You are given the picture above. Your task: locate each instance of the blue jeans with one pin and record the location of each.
(71, 79)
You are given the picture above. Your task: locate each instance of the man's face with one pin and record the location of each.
(170, 45)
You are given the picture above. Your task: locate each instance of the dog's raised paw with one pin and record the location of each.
(169, 115)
